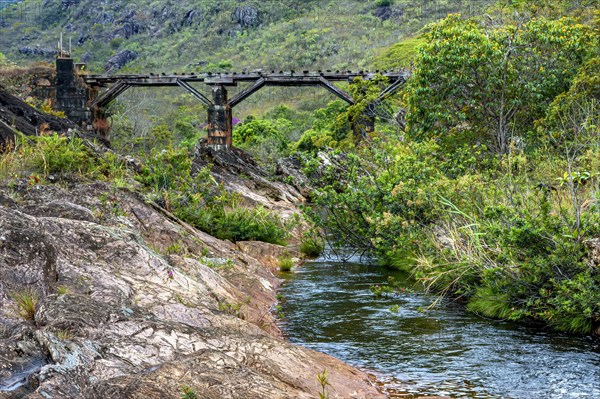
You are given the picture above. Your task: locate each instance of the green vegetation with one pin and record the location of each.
(63, 290)
(224, 35)
(286, 264)
(188, 393)
(3, 61)
(494, 186)
(312, 244)
(484, 84)
(323, 379)
(25, 300)
(199, 200)
(51, 154)
(399, 55)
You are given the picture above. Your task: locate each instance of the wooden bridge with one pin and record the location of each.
(219, 106)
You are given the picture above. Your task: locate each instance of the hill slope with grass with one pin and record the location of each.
(217, 35)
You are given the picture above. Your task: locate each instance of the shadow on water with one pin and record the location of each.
(444, 351)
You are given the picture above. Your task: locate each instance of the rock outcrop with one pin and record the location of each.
(239, 172)
(37, 51)
(593, 252)
(18, 115)
(132, 303)
(246, 16)
(120, 59)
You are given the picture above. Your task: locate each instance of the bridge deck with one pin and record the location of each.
(283, 78)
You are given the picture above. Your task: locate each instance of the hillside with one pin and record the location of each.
(217, 35)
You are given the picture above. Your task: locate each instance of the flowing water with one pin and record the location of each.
(328, 306)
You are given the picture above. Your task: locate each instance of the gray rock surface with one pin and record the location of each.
(246, 16)
(135, 304)
(119, 60)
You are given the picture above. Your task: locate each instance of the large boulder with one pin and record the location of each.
(119, 60)
(246, 16)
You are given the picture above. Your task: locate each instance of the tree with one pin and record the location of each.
(573, 124)
(489, 83)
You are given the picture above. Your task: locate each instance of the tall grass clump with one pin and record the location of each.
(25, 302)
(311, 245)
(54, 154)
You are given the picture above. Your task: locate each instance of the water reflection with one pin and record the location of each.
(444, 351)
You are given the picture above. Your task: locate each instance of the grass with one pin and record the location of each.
(26, 300)
(286, 264)
(38, 157)
(63, 290)
(188, 393)
(64, 335)
(234, 309)
(311, 245)
(323, 379)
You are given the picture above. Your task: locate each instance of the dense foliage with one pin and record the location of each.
(494, 189)
(484, 84)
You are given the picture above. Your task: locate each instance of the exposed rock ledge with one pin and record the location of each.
(111, 323)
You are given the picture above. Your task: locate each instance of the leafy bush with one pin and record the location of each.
(234, 223)
(311, 245)
(57, 155)
(199, 200)
(471, 82)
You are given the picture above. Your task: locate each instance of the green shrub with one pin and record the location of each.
(53, 154)
(203, 203)
(286, 264)
(311, 245)
(234, 224)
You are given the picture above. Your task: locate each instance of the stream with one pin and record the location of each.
(445, 351)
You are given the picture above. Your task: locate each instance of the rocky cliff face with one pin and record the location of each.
(132, 303)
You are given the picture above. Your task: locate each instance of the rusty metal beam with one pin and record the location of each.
(194, 92)
(336, 90)
(241, 96)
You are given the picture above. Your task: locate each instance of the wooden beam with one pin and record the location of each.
(336, 90)
(232, 78)
(194, 92)
(241, 96)
(109, 95)
(391, 89)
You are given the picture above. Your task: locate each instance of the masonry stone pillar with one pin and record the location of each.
(219, 119)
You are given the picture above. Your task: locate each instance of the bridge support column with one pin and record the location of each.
(71, 92)
(219, 120)
(362, 126)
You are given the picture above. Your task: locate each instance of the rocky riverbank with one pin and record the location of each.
(104, 295)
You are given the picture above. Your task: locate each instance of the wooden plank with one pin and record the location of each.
(195, 93)
(109, 95)
(247, 93)
(336, 90)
